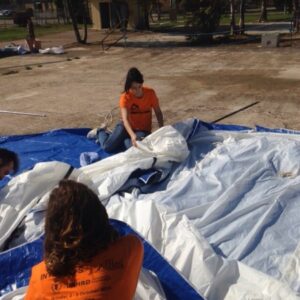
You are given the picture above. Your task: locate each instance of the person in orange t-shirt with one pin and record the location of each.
(136, 105)
(84, 256)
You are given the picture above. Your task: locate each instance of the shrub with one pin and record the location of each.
(205, 18)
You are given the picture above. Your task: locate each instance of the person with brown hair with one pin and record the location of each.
(9, 162)
(84, 258)
(136, 105)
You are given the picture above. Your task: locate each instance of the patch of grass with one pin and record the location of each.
(250, 17)
(17, 33)
(253, 17)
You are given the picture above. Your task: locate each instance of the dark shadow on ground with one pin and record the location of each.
(186, 41)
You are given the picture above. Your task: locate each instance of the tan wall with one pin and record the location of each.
(95, 14)
(29, 6)
(51, 7)
(132, 5)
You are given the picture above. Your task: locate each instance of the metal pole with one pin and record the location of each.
(22, 113)
(235, 112)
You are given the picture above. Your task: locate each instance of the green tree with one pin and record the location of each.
(143, 9)
(206, 15)
(296, 15)
(263, 15)
(78, 10)
(283, 4)
(232, 17)
(242, 17)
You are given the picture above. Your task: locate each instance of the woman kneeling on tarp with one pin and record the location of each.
(84, 257)
(136, 105)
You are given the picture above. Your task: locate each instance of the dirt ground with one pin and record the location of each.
(79, 88)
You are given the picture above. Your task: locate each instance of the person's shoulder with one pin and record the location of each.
(149, 92)
(40, 266)
(125, 96)
(124, 100)
(148, 89)
(131, 240)
(38, 269)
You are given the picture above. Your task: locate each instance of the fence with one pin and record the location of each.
(6, 23)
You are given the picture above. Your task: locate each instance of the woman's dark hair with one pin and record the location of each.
(133, 75)
(76, 228)
(7, 156)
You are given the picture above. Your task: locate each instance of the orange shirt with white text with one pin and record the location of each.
(110, 275)
(140, 109)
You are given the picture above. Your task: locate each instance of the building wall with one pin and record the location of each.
(95, 14)
(44, 8)
(135, 7)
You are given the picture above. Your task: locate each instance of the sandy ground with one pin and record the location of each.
(79, 88)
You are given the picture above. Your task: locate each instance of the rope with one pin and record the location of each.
(109, 116)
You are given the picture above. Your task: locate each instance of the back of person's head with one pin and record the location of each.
(76, 228)
(6, 157)
(133, 75)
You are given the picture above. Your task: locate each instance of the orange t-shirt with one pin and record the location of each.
(112, 274)
(140, 109)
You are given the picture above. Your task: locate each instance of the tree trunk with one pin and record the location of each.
(296, 16)
(73, 14)
(142, 22)
(232, 17)
(66, 13)
(158, 5)
(155, 8)
(263, 15)
(242, 16)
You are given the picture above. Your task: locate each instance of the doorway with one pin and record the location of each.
(105, 15)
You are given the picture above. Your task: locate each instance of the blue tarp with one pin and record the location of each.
(63, 145)
(66, 145)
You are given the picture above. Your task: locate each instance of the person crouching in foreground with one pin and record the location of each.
(84, 257)
(9, 162)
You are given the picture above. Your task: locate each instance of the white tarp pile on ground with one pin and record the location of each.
(227, 217)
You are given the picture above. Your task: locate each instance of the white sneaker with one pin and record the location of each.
(102, 126)
(92, 134)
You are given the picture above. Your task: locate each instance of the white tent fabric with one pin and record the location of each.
(110, 174)
(29, 192)
(226, 218)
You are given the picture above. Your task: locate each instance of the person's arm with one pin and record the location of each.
(127, 126)
(157, 110)
(159, 116)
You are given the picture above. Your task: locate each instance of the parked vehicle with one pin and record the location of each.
(6, 13)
